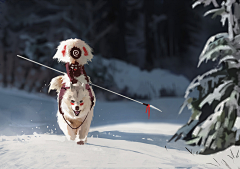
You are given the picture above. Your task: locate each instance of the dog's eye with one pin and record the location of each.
(72, 101)
(81, 101)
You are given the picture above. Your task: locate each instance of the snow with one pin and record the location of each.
(121, 136)
(130, 77)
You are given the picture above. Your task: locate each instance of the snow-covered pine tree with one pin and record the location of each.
(214, 123)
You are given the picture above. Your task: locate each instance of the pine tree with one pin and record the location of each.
(214, 96)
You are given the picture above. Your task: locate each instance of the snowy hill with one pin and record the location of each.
(121, 136)
(135, 82)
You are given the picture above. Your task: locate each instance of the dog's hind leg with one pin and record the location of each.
(83, 132)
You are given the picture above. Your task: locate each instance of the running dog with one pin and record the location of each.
(75, 108)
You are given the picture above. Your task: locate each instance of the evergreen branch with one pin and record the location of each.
(205, 2)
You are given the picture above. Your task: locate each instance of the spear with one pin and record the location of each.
(148, 105)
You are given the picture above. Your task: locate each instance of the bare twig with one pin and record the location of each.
(226, 164)
(189, 150)
(232, 153)
(216, 161)
(166, 147)
(212, 164)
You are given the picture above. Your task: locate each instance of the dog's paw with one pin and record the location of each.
(80, 142)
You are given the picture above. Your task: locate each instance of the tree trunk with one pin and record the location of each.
(135, 33)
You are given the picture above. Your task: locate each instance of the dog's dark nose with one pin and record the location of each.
(77, 107)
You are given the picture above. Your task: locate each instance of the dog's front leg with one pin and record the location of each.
(83, 132)
(69, 133)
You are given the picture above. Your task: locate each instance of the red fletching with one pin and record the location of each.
(64, 50)
(85, 51)
(148, 110)
(72, 103)
(81, 104)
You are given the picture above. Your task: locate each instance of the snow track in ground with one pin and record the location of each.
(121, 136)
(52, 151)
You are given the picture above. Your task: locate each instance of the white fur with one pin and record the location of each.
(81, 81)
(56, 83)
(70, 43)
(76, 93)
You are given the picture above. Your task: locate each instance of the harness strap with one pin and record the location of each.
(79, 125)
(62, 92)
(87, 85)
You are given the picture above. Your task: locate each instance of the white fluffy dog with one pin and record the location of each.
(75, 108)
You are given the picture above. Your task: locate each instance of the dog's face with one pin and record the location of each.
(77, 100)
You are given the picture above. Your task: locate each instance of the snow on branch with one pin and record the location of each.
(226, 13)
(205, 2)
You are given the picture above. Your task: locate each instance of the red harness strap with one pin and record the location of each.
(73, 73)
(62, 92)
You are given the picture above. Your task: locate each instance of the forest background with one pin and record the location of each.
(147, 34)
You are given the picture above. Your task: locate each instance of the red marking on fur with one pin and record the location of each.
(148, 110)
(85, 51)
(72, 103)
(64, 50)
(81, 104)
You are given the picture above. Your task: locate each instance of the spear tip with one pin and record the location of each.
(155, 108)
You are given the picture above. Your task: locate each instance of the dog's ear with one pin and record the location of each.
(56, 84)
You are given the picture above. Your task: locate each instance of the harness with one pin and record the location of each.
(75, 70)
(62, 92)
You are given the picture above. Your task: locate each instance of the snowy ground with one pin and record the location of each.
(121, 136)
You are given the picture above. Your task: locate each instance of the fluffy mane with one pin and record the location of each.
(65, 47)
